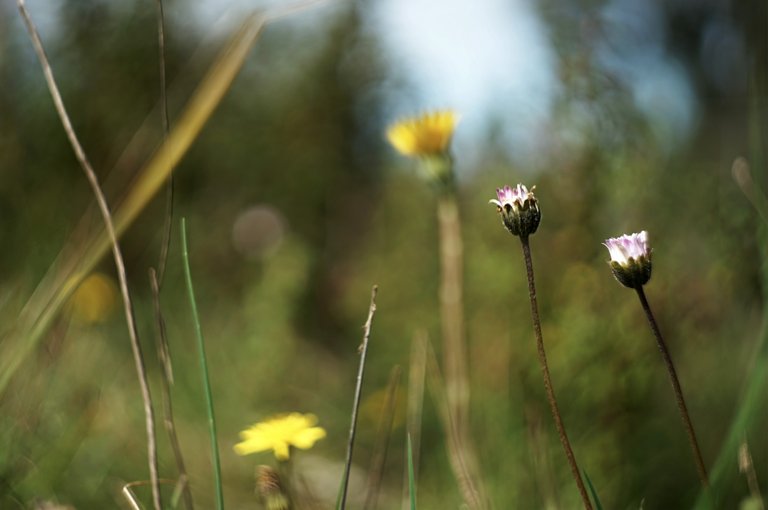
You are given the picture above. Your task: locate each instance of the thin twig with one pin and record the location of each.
(358, 392)
(203, 368)
(697, 458)
(120, 265)
(169, 187)
(161, 57)
(156, 277)
(547, 378)
(164, 355)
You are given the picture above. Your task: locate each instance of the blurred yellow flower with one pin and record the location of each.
(426, 135)
(94, 299)
(279, 433)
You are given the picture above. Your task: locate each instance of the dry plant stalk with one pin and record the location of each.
(363, 349)
(457, 392)
(164, 356)
(118, 256)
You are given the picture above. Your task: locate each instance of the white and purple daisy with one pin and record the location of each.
(518, 208)
(630, 259)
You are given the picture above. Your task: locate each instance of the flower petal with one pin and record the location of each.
(307, 437)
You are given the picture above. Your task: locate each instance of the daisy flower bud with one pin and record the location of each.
(630, 259)
(519, 209)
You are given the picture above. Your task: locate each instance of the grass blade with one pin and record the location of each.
(411, 474)
(203, 368)
(593, 492)
(384, 433)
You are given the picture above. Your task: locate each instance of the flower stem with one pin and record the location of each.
(547, 379)
(452, 310)
(677, 389)
(461, 444)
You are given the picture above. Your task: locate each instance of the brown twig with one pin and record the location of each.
(697, 458)
(119, 263)
(547, 378)
(363, 349)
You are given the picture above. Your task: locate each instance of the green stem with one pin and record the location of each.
(698, 460)
(203, 368)
(547, 379)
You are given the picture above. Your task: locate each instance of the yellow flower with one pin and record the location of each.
(94, 300)
(279, 433)
(426, 135)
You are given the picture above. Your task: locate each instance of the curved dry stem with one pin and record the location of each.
(677, 389)
(119, 263)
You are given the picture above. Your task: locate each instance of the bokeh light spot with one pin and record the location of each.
(258, 231)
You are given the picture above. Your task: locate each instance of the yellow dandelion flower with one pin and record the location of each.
(427, 135)
(279, 433)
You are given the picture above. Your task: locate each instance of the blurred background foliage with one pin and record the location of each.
(296, 207)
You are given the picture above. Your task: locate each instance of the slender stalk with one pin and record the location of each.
(168, 222)
(454, 345)
(203, 368)
(547, 379)
(356, 403)
(138, 358)
(164, 355)
(411, 474)
(156, 277)
(697, 458)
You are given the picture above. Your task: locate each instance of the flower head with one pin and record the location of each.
(279, 433)
(519, 209)
(630, 259)
(427, 135)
